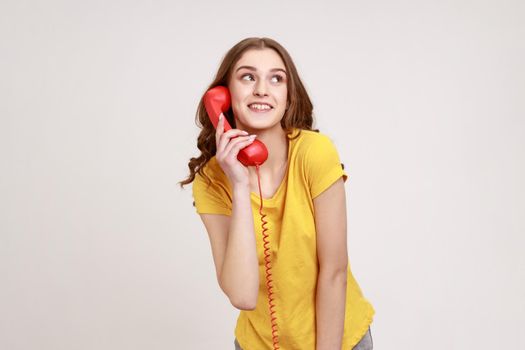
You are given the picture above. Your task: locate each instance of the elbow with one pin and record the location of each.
(243, 296)
(244, 305)
(334, 274)
(244, 302)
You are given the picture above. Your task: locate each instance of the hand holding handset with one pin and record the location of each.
(217, 101)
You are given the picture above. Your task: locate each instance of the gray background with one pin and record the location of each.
(100, 248)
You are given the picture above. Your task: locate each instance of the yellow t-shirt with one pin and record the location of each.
(313, 165)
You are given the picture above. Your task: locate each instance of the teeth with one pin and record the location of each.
(260, 107)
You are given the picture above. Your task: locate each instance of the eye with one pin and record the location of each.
(246, 75)
(280, 78)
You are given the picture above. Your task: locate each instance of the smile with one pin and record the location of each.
(260, 108)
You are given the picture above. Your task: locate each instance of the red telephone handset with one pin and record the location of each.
(217, 100)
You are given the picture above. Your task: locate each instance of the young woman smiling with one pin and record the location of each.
(318, 303)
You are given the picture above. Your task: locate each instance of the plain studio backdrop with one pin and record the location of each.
(101, 249)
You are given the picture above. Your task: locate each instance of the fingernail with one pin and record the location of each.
(253, 136)
(245, 132)
(220, 117)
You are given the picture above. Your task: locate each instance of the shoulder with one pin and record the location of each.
(212, 168)
(312, 144)
(211, 174)
(211, 190)
(319, 161)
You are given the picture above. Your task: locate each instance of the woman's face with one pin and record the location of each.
(259, 77)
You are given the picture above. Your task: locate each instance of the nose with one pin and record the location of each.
(260, 88)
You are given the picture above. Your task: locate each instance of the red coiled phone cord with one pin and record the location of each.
(268, 268)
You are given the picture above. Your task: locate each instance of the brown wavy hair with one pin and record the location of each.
(298, 115)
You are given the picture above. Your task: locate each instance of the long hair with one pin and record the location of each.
(298, 115)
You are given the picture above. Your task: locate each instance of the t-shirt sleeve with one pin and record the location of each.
(212, 199)
(322, 165)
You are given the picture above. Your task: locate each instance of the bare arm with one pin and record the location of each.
(234, 251)
(330, 218)
(240, 270)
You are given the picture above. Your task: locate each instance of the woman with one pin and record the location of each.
(317, 303)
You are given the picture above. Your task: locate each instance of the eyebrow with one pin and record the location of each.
(255, 69)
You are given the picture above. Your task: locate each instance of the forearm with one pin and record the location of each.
(240, 269)
(330, 310)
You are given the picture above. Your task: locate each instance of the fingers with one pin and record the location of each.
(223, 138)
(237, 144)
(219, 130)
